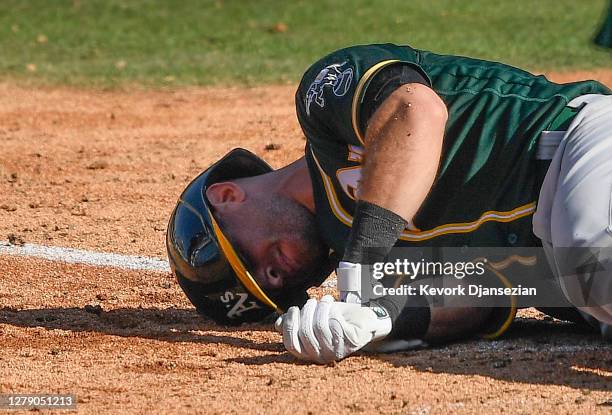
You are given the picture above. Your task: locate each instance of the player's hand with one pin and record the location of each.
(328, 330)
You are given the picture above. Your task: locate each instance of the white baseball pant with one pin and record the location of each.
(575, 206)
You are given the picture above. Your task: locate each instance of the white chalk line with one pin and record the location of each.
(94, 258)
(82, 256)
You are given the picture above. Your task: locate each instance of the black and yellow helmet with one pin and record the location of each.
(210, 271)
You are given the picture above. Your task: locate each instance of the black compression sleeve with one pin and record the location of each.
(374, 232)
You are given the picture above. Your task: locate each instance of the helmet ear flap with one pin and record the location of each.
(191, 246)
(230, 307)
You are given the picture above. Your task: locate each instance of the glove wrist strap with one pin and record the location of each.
(349, 282)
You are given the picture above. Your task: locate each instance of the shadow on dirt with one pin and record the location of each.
(532, 352)
(170, 325)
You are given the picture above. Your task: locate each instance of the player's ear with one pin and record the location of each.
(225, 194)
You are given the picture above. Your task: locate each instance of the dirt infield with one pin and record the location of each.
(101, 170)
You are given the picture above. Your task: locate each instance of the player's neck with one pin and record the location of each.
(294, 182)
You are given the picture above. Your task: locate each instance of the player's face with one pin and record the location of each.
(278, 238)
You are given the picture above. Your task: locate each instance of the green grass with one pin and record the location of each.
(184, 42)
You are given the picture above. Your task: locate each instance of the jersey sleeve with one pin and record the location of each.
(339, 93)
(383, 83)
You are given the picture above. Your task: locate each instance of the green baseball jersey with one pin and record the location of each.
(488, 180)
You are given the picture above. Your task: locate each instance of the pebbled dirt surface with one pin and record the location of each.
(101, 170)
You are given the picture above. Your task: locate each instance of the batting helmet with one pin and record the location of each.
(208, 268)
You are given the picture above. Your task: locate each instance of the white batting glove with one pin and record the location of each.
(328, 330)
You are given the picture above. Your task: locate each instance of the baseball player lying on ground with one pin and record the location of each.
(404, 148)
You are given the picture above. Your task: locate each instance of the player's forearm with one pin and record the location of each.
(403, 146)
(413, 317)
(448, 323)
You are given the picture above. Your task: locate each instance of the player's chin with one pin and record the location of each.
(308, 273)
